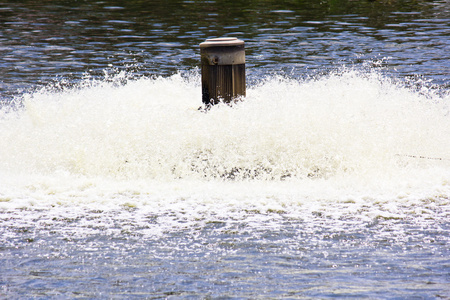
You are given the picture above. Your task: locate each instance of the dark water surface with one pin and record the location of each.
(88, 211)
(44, 40)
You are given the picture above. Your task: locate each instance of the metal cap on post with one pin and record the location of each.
(223, 70)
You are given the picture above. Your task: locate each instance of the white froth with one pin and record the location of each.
(343, 138)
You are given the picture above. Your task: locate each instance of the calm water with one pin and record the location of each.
(331, 179)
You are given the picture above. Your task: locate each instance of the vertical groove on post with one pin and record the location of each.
(223, 70)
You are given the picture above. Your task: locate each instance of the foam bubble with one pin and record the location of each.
(342, 137)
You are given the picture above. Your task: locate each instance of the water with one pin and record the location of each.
(331, 179)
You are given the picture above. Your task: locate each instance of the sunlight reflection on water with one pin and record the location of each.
(108, 191)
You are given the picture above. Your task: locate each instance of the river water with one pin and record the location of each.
(331, 179)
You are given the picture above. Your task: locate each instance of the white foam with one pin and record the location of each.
(349, 137)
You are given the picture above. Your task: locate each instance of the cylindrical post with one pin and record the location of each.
(223, 70)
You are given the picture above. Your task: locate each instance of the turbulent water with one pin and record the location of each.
(321, 184)
(336, 176)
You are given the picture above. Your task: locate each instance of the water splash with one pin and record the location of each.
(344, 136)
(150, 128)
